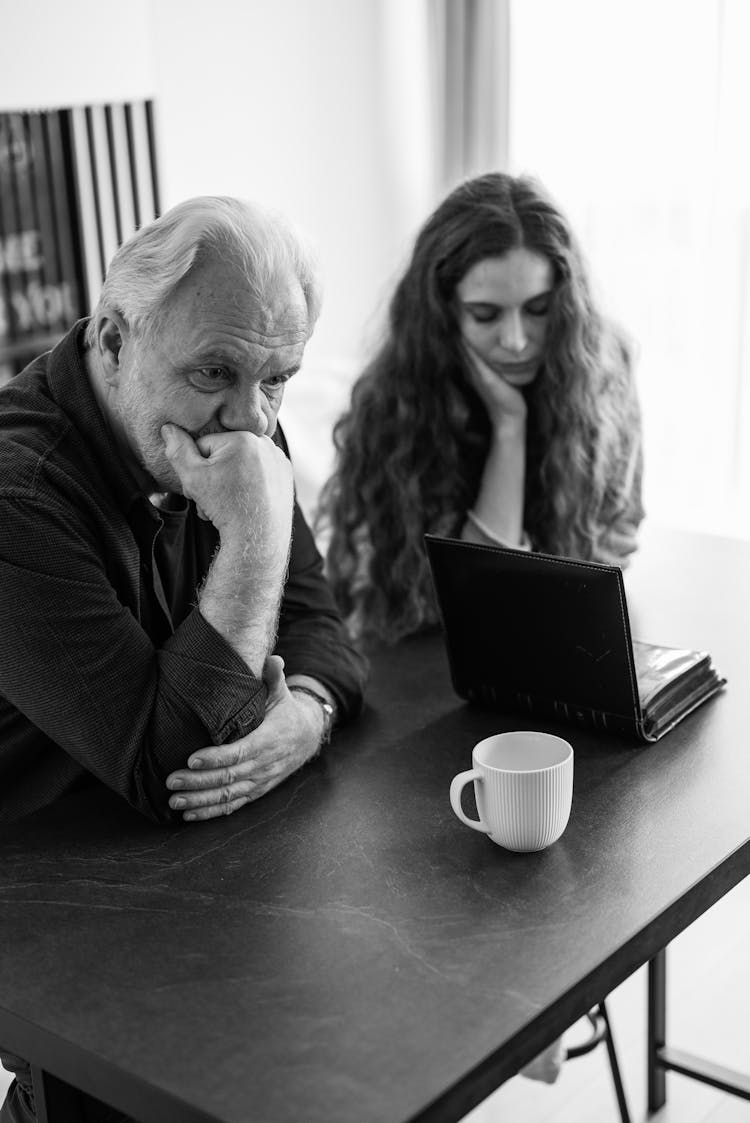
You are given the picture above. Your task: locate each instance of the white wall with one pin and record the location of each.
(54, 55)
(281, 100)
(315, 106)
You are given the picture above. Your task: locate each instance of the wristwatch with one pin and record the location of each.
(329, 710)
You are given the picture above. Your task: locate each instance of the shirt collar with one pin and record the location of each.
(70, 388)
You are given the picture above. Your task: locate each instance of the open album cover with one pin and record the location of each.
(551, 636)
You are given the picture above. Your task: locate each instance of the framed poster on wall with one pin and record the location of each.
(41, 277)
(74, 184)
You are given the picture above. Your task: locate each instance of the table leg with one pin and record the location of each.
(662, 1058)
(657, 1029)
(55, 1101)
(614, 1064)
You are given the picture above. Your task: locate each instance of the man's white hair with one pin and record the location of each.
(148, 267)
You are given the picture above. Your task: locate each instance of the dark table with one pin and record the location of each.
(344, 948)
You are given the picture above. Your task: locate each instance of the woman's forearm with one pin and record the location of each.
(498, 508)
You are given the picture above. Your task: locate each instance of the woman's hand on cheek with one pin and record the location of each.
(504, 403)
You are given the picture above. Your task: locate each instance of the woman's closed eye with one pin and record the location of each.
(539, 306)
(483, 313)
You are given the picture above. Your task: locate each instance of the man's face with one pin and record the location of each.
(218, 363)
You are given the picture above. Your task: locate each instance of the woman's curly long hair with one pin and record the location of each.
(412, 447)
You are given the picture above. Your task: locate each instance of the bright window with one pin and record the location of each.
(635, 116)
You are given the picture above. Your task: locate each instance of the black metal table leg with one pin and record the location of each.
(662, 1058)
(622, 1102)
(657, 1029)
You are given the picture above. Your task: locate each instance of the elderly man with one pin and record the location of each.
(167, 629)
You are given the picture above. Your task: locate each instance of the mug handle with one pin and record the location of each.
(458, 783)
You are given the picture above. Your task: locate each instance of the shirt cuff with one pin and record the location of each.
(209, 675)
(524, 544)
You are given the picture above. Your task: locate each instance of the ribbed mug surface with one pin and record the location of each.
(523, 782)
(525, 810)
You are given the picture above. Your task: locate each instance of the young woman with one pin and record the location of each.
(500, 408)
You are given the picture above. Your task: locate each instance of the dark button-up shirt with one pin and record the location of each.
(98, 677)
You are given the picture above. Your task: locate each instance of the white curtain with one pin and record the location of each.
(469, 50)
(635, 115)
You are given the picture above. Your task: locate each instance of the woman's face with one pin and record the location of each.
(503, 308)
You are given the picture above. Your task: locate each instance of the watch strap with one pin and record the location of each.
(329, 710)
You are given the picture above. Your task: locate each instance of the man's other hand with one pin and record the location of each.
(222, 778)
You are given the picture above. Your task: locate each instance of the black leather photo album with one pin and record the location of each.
(551, 636)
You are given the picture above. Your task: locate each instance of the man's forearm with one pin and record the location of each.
(241, 600)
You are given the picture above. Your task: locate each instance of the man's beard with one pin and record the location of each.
(142, 431)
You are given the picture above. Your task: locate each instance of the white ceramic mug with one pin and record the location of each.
(523, 784)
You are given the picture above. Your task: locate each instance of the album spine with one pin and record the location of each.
(629, 725)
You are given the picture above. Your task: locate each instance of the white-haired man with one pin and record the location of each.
(167, 629)
(157, 579)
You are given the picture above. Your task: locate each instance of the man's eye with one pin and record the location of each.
(276, 381)
(211, 378)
